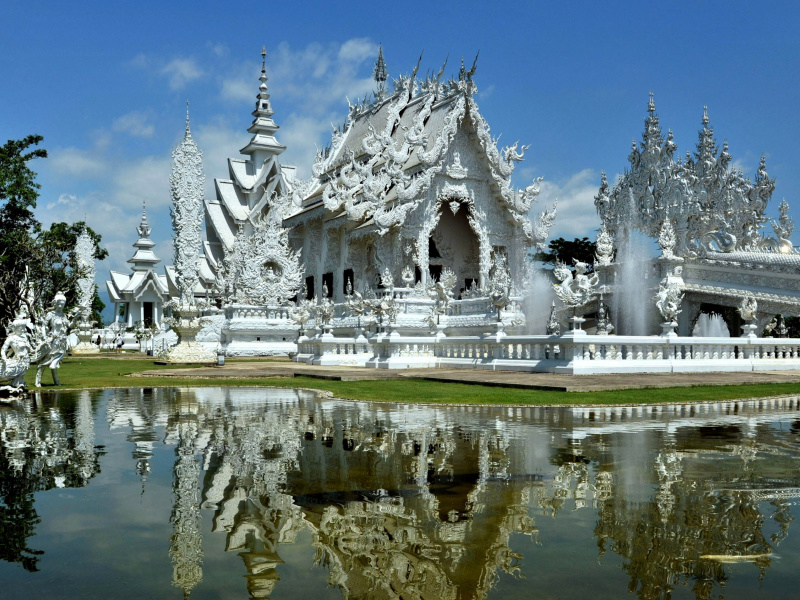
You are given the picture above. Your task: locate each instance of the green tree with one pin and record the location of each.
(44, 258)
(581, 249)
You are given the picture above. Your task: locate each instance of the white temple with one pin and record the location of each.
(139, 296)
(409, 246)
(411, 204)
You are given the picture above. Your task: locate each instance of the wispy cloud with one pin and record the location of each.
(577, 216)
(181, 71)
(178, 70)
(135, 124)
(74, 162)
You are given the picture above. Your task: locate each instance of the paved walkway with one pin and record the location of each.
(511, 379)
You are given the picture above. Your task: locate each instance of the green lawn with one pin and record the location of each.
(78, 373)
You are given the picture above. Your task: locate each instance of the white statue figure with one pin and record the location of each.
(669, 298)
(441, 292)
(15, 357)
(407, 276)
(604, 326)
(574, 291)
(553, 327)
(325, 308)
(748, 308)
(54, 329)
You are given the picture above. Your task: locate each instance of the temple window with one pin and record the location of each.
(310, 287)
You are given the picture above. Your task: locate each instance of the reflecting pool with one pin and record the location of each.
(260, 493)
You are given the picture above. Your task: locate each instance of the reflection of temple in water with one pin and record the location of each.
(423, 502)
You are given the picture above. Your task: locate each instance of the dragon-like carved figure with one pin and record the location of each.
(577, 290)
(511, 156)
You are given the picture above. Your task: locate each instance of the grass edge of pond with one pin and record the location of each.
(101, 373)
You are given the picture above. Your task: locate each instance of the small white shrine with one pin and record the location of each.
(139, 296)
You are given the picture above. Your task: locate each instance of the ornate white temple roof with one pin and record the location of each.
(244, 197)
(125, 287)
(390, 151)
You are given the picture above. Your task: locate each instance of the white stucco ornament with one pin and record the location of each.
(669, 298)
(84, 254)
(574, 291)
(710, 204)
(186, 183)
(262, 268)
(605, 248)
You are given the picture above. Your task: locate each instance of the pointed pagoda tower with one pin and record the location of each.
(139, 295)
(253, 181)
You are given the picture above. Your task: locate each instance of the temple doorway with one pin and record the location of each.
(454, 245)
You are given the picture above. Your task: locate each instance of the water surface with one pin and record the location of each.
(261, 493)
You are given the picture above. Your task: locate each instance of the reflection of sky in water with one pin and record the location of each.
(221, 492)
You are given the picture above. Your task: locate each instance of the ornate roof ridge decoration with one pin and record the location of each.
(186, 184)
(713, 206)
(374, 182)
(259, 187)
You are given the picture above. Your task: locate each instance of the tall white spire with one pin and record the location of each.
(187, 182)
(263, 127)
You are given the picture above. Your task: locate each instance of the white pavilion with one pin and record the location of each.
(139, 295)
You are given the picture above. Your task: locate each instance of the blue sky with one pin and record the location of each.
(106, 85)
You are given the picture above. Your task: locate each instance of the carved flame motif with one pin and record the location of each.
(186, 184)
(262, 267)
(84, 253)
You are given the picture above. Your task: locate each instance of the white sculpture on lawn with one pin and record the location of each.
(15, 357)
(186, 184)
(52, 332)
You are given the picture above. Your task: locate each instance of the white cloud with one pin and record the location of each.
(577, 216)
(219, 49)
(485, 93)
(134, 124)
(75, 163)
(142, 180)
(63, 199)
(239, 90)
(181, 71)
